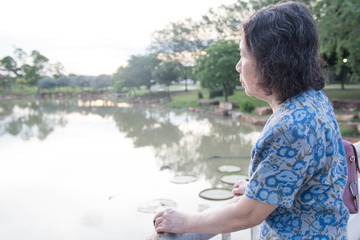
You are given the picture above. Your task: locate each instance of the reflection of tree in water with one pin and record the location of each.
(183, 142)
(144, 128)
(187, 147)
(33, 118)
(27, 120)
(199, 153)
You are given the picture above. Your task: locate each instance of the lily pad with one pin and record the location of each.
(229, 169)
(156, 205)
(233, 178)
(216, 194)
(183, 179)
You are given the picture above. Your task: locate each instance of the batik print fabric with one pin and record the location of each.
(298, 163)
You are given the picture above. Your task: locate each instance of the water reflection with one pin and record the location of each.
(28, 119)
(180, 140)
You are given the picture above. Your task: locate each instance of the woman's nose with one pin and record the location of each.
(238, 66)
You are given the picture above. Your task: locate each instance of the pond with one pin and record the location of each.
(89, 170)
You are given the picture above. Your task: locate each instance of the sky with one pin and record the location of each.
(90, 37)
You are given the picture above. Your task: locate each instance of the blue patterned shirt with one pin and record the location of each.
(299, 164)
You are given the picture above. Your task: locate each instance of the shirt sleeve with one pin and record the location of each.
(280, 162)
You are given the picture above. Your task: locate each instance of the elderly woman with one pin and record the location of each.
(298, 167)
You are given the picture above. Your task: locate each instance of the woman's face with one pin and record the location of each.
(247, 69)
(248, 77)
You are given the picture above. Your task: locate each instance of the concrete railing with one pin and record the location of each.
(186, 236)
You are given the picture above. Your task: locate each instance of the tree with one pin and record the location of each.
(338, 23)
(63, 81)
(339, 29)
(33, 73)
(102, 81)
(224, 22)
(185, 72)
(26, 69)
(179, 40)
(39, 62)
(137, 73)
(119, 79)
(216, 68)
(166, 73)
(184, 41)
(8, 65)
(30, 73)
(47, 83)
(187, 39)
(56, 69)
(142, 67)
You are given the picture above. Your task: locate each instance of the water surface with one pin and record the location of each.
(80, 170)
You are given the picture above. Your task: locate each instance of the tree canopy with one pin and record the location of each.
(137, 73)
(338, 24)
(339, 29)
(216, 68)
(166, 73)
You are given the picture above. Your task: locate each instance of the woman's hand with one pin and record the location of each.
(170, 221)
(239, 187)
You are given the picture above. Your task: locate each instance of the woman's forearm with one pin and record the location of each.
(245, 213)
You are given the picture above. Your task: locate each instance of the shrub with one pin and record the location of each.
(220, 93)
(63, 81)
(200, 95)
(247, 106)
(216, 93)
(46, 83)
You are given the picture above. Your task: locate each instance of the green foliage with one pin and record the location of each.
(47, 83)
(216, 69)
(9, 65)
(20, 90)
(100, 82)
(26, 69)
(338, 23)
(348, 131)
(93, 83)
(179, 41)
(166, 73)
(224, 22)
(118, 79)
(220, 93)
(137, 73)
(339, 29)
(216, 93)
(31, 74)
(63, 81)
(347, 93)
(247, 106)
(183, 99)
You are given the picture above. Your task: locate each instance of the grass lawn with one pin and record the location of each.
(346, 93)
(18, 90)
(182, 99)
